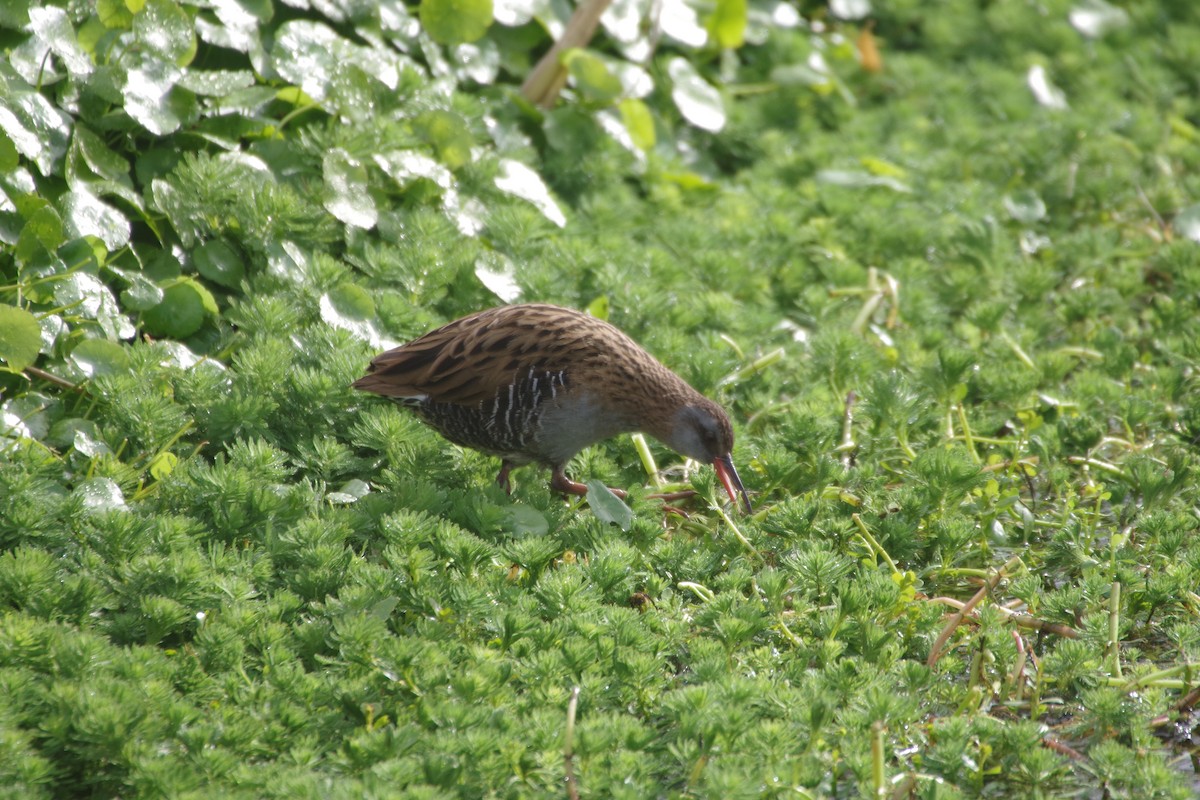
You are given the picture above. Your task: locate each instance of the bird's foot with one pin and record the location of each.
(559, 482)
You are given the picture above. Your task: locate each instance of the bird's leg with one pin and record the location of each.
(502, 478)
(559, 482)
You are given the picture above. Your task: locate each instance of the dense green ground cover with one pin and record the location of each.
(953, 307)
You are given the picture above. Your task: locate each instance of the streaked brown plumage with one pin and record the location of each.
(538, 383)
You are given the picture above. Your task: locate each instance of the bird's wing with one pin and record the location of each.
(469, 360)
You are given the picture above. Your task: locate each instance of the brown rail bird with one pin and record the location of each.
(538, 383)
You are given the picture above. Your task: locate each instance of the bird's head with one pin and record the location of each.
(700, 430)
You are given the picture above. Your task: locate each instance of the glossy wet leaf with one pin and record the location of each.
(27, 416)
(36, 128)
(220, 263)
(184, 307)
(20, 337)
(84, 214)
(99, 357)
(607, 506)
(497, 272)
(680, 21)
(456, 21)
(350, 492)
(520, 181)
(74, 431)
(83, 294)
(350, 308)
(1097, 18)
(166, 30)
(101, 496)
(698, 101)
(346, 194)
(98, 156)
(141, 294)
(147, 96)
(53, 28)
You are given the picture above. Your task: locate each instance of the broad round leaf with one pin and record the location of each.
(142, 293)
(350, 308)
(346, 194)
(592, 76)
(639, 122)
(352, 302)
(520, 181)
(182, 311)
(163, 465)
(218, 262)
(727, 25)
(20, 337)
(166, 29)
(697, 100)
(84, 214)
(100, 495)
(99, 357)
(447, 132)
(456, 21)
(42, 230)
(66, 432)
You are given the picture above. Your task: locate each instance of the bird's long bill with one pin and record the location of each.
(730, 480)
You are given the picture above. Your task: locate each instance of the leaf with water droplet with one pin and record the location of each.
(162, 27)
(84, 214)
(346, 191)
(101, 495)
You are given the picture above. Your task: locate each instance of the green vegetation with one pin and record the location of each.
(953, 307)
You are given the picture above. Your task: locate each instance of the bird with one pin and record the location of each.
(537, 383)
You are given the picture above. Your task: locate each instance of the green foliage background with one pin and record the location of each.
(952, 307)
